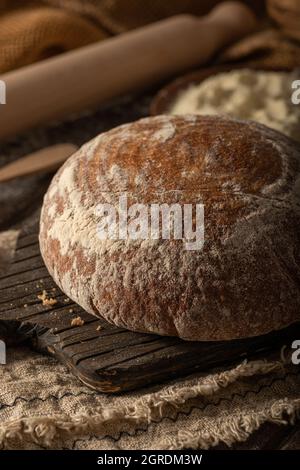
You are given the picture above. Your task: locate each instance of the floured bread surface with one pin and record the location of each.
(244, 281)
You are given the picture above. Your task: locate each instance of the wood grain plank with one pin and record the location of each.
(32, 302)
(25, 240)
(27, 253)
(23, 267)
(114, 357)
(73, 333)
(22, 278)
(101, 329)
(16, 293)
(120, 342)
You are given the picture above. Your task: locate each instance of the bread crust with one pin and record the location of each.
(244, 282)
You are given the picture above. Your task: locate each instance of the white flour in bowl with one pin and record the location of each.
(246, 94)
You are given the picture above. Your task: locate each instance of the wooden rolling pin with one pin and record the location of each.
(85, 77)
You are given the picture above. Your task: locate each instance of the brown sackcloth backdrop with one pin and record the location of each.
(41, 403)
(31, 30)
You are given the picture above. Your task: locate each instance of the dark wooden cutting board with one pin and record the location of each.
(105, 357)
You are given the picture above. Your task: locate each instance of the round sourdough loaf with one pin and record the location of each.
(245, 280)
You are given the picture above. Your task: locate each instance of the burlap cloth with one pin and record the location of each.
(43, 405)
(31, 30)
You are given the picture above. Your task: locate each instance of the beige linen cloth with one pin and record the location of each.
(42, 405)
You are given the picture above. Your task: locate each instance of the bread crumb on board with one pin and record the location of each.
(99, 328)
(49, 301)
(77, 321)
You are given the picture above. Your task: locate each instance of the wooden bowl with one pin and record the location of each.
(163, 100)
